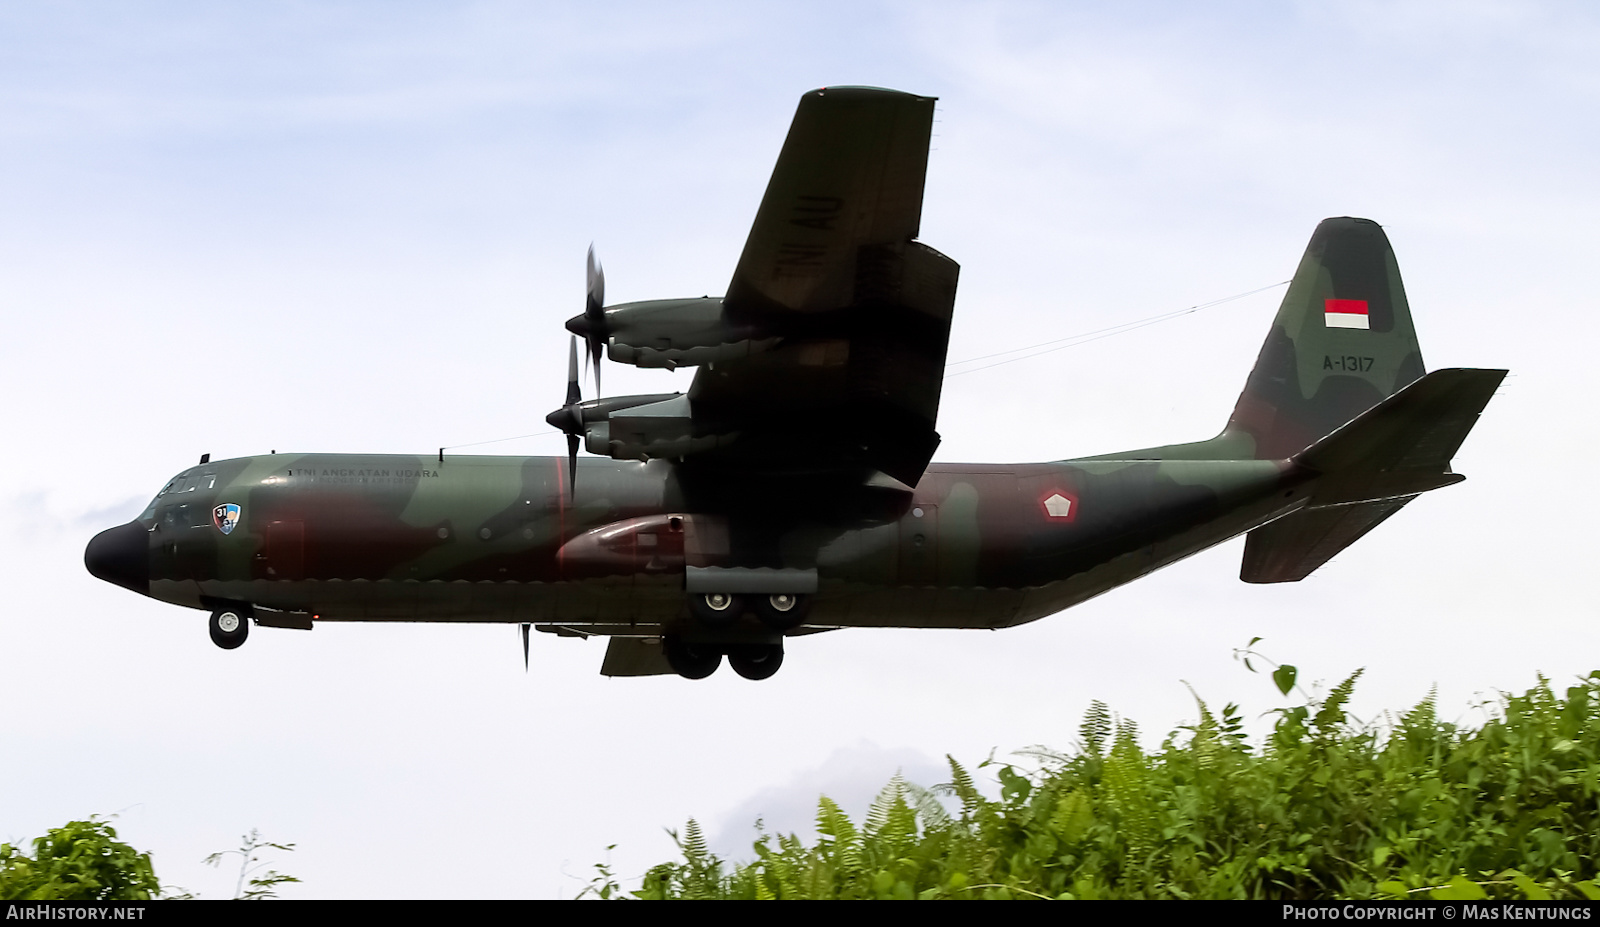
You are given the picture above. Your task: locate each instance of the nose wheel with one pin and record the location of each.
(230, 625)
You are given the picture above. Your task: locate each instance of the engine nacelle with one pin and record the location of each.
(651, 431)
(672, 333)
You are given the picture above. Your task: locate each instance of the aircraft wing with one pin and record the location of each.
(860, 310)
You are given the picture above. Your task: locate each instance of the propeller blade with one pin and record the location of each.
(574, 392)
(597, 287)
(569, 418)
(594, 313)
(572, 465)
(525, 647)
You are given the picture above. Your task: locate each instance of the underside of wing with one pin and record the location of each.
(850, 174)
(862, 310)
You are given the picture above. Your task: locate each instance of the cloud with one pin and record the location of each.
(851, 776)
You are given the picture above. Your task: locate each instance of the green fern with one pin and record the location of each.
(1331, 809)
(840, 836)
(1331, 715)
(882, 806)
(961, 786)
(1096, 727)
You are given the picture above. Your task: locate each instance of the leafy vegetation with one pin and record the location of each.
(1326, 807)
(258, 887)
(82, 861)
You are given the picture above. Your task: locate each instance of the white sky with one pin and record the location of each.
(231, 228)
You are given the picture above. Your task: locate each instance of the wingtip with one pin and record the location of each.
(862, 92)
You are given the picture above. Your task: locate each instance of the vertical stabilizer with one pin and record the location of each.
(1342, 343)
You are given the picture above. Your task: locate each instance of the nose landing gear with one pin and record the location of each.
(230, 625)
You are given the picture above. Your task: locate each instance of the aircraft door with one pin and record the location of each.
(919, 545)
(283, 550)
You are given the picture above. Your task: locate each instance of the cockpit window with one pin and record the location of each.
(183, 482)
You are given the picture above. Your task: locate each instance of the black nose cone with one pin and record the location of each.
(121, 555)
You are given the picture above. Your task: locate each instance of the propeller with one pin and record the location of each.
(569, 418)
(591, 326)
(525, 627)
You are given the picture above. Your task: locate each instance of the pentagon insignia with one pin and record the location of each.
(1063, 506)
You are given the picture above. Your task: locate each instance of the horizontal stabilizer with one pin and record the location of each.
(635, 656)
(1369, 469)
(1287, 550)
(1402, 445)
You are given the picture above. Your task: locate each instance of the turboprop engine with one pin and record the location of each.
(671, 333)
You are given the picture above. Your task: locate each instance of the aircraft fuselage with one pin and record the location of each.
(507, 539)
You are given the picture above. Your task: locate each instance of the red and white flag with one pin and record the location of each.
(1345, 313)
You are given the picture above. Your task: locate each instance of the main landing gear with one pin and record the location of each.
(755, 651)
(780, 612)
(694, 660)
(230, 625)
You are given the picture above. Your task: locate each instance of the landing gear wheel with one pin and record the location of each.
(783, 611)
(230, 625)
(756, 661)
(691, 661)
(716, 609)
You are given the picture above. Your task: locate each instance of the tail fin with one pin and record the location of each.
(1339, 389)
(1342, 343)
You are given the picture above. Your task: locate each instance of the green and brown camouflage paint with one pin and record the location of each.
(506, 539)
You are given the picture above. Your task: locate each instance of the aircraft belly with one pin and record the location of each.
(1046, 600)
(649, 600)
(866, 606)
(992, 547)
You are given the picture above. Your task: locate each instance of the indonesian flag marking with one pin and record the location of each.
(1345, 313)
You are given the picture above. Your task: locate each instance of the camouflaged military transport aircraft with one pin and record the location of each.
(790, 491)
